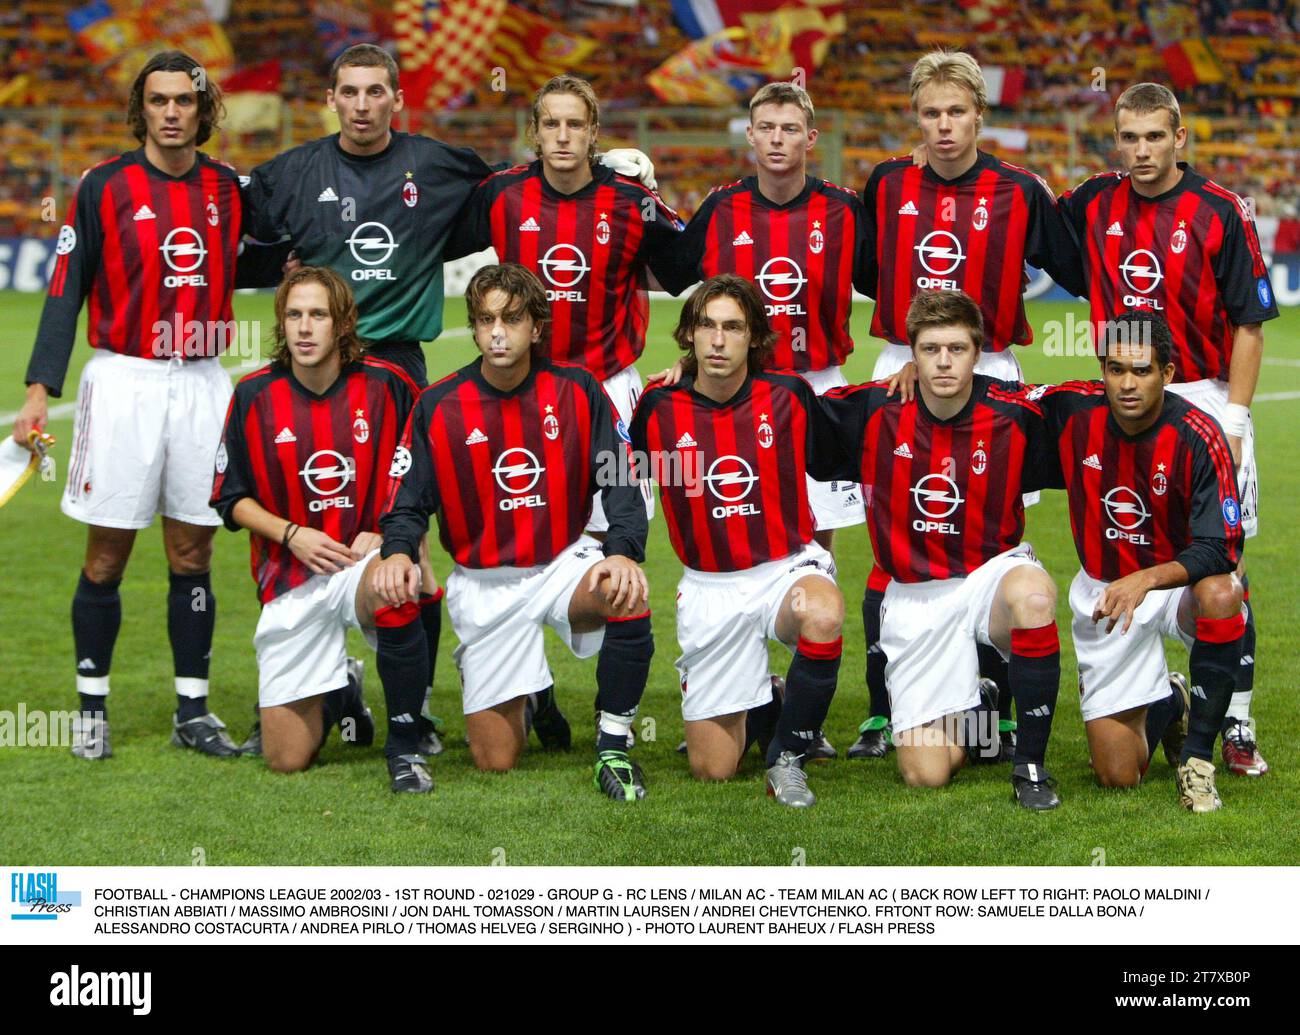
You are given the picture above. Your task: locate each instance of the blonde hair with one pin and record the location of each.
(783, 93)
(565, 83)
(954, 67)
(1144, 98)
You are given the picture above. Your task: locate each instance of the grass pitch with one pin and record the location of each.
(152, 804)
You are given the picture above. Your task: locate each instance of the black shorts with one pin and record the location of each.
(406, 354)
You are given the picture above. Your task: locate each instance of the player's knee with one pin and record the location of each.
(286, 758)
(712, 770)
(821, 618)
(190, 558)
(924, 772)
(1218, 597)
(1118, 772)
(1032, 598)
(494, 758)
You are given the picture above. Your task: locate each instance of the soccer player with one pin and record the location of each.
(507, 451)
(151, 241)
(962, 220)
(741, 524)
(944, 475)
(1160, 236)
(592, 236)
(1158, 529)
(304, 465)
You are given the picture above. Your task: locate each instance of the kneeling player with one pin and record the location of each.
(738, 516)
(303, 465)
(943, 475)
(508, 451)
(1157, 525)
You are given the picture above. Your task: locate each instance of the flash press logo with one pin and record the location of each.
(36, 896)
(75, 987)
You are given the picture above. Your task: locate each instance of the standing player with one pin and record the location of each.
(507, 451)
(303, 465)
(964, 220)
(1157, 525)
(744, 531)
(944, 475)
(591, 236)
(1160, 236)
(151, 241)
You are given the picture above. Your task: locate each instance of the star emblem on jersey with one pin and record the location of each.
(1141, 271)
(183, 250)
(979, 460)
(730, 479)
(517, 470)
(401, 462)
(1125, 508)
(361, 429)
(67, 240)
(980, 217)
(476, 437)
(214, 216)
(816, 239)
(564, 265)
(602, 229)
(781, 278)
(371, 244)
(937, 497)
(327, 473)
(765, 434)
(940, 253)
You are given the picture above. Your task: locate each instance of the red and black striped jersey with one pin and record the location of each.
(590, 249)
(732, 475)
(1190, 254)
(973, 234)
(806, 256)
(321, 461)
(511, 474)
(942, 496)
(155, 255)
(1168, 494)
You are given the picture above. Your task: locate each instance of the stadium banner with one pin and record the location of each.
(252, 99)
(119, 36)
(441, 47)
(532, 49)
(500, 904)
(1191, 63)
(809, 24)
(343, 23)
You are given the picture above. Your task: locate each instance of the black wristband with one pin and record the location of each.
(289, 531)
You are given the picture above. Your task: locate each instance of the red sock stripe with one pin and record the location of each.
(431, 598)
(821, 651)
(877, 580)
(1220, 630)
(630, 618)
(392, 617)
(1035, 643)
(1245, 594)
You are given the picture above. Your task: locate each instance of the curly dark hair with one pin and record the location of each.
(211, 110)
(762, 338)
(526, 294)
(343, 311)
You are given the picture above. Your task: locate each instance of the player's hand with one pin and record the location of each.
(920, 155)
(1121, 598)
(628, 592)
(364, 543)
(396, 580)
(32, 416)
(666, 378)
(904, 382)
(1234, 444)
(628, 161)
(291, 264)
(319, 552)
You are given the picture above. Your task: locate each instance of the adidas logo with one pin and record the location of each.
(686, 442)
(1093, 462)
(327, 195)
(285, 436)
(475, 437)
(851, 500)
(742, 238)
(1248, 659)
(85, 664)
(405, 717)
(908, 210)
(529, 225)
(905, 451)
(1041, 712)
(1115, 230)
(143, 212)
(1196, 691)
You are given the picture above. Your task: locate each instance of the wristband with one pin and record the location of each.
(1236, 418)
(289, 530)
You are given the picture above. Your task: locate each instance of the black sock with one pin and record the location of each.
(1246, 668)
(1035, 674)
(403, 663)
(993, 666)
(877, 691)
(95, 704)
(621, 674)
(332, 705)
(96, 618)
(544, 700)
(1160, 715)
(431, 620)
(1213, 670)
(809, 687)
(191, 618)
(760, 722)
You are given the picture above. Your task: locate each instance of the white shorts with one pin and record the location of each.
(498, 614)
(1212, 397)
(623, 389)
(724, 620)
(1118, 670)
(1000, 365)
(928, 632)
(301, 638)
(145, 440)
(834, 504)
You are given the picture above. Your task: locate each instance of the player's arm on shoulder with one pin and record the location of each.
(681, 267)
(1052, 245)
(825, 455)
(472, 230)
